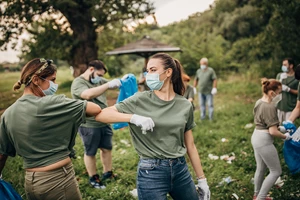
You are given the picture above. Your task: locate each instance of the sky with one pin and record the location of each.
(167, 11)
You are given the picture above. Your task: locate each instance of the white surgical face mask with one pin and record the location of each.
(51, 89)
(203, 66)
(284, 68)
(96, 79)
(153, 82)
(276, 99)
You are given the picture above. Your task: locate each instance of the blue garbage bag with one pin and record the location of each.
(7, 192)
(127, 89)
(291, 149)
(291, 152)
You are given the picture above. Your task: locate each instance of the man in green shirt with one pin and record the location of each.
(206, 80)
(92, 86)
(289, 90)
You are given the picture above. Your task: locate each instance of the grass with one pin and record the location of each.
(233, 110)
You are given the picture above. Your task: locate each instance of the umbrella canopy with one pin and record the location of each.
(145, 47)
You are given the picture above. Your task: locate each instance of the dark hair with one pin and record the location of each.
(297, 72)
(174, 64)
(98, 64)
(290, 61)
(270, 84)
(37, 66)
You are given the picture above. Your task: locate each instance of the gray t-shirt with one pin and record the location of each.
(79, 85)
(265, 115)
(172, 119)
(205, 80)
(41, 130)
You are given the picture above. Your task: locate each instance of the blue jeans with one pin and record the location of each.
(158, 177)
(202, 101)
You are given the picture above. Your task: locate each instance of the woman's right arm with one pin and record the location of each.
(111, 115)
(273, 130)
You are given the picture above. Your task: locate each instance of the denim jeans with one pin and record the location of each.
(202, 101)
(158, 177)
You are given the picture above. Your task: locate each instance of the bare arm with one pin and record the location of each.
(111, 115)
(92, 109)
(215, 83)
(92, 93)
(296, 112)
(193, 154)
(273, 130)
(2, 162)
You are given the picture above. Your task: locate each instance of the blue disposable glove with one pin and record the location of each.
(289, 126)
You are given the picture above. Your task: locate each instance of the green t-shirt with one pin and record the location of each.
(265, 115)
(289, 100)
(78, 86)
(41, 130)
(171, 118)
(205, 80)
(189, 93)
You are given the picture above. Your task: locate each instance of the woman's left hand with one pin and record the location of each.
(203, 189)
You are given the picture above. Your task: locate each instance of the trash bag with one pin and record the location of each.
(127, 89)
(291, 152)
(7, 192)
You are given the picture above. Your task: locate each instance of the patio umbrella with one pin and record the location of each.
(145, 47)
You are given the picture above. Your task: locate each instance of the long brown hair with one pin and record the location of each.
(37, 66)
(269, 84)
(174, 64)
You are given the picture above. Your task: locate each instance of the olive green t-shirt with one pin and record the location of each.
(265, 115)
(171, 118)
(189, 93)
(289, 100)
(205, 80)
(79, 85)
(41, 130)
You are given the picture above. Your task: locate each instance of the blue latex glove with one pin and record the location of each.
(289, 127)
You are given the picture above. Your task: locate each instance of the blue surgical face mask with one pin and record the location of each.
(153, 82)
(203, 66)
(96, 79)
(284, 68)
(52, 88)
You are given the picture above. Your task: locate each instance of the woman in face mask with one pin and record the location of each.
(266, 128)
(41, 128)
(162, 168)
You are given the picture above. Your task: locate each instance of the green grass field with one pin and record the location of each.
(233, 111)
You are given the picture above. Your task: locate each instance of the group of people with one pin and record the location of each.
(279, 104)
(41, 128)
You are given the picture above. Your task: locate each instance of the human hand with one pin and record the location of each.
(287, 136)
(202, 187)
(214, 91)
(195, 90)
(285, 88)
(115, 83)
(146, 123)
(282, 129)
(296, 135)
(289, 126)
(283, 76)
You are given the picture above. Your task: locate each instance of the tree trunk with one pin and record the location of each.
(85, 38)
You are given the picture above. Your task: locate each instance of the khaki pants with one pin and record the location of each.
(58, 184)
